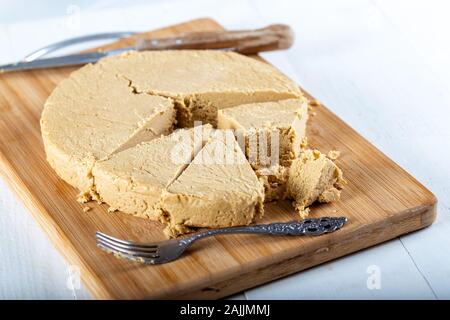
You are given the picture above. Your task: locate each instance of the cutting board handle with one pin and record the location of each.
(272, 37)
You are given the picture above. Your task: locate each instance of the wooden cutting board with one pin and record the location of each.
(381, 201)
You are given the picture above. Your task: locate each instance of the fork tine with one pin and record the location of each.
(128, 247)
(102, 235)
(131, 252)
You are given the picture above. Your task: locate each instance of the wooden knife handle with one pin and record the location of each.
(273, 37)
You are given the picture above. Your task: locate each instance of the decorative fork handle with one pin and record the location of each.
(311, 226)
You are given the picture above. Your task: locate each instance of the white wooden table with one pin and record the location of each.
(381, 65)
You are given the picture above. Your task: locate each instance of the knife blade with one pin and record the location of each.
(63, 61)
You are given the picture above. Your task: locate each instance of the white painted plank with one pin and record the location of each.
(146, 17)
(30, 267)
(74, 22)
(424, 25)
(239, 296)
(381, 272)
(6, 54)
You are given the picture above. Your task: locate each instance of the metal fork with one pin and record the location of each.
(165, 251)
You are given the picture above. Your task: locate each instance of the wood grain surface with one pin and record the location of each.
(381, 200)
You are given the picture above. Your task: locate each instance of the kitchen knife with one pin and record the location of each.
(273, 37)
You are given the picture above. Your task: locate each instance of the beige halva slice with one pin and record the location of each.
(133, 180)
(93, 114)
(202, 81)
(273, 132)
(218, 189)
(274, 179)
(311, 177)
